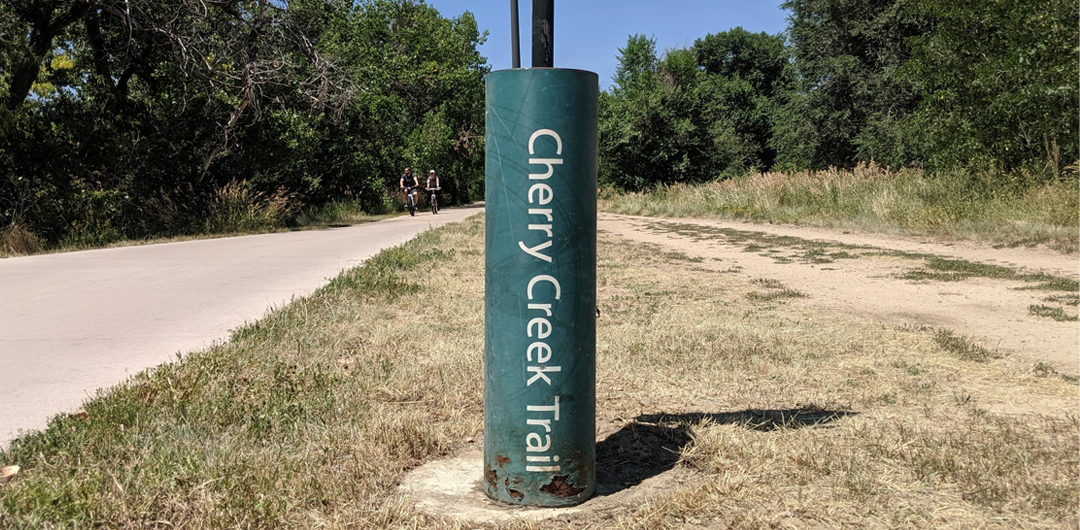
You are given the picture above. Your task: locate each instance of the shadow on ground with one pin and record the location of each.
(652, 443)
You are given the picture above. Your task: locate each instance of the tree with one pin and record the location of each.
(420, 94)
(30, 28)
(651, 127)
(160, 107)
(746, 75)
(624, 111)
(694, 115)
(851, 99)
(999, 81)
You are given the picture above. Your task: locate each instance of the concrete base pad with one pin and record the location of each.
(451, 488)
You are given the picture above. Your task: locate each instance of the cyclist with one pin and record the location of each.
(433, 190)
(408, 185)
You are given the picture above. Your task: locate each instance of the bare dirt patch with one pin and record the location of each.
(451, 488)
(859, 275)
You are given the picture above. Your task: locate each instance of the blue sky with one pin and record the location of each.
(589, 33)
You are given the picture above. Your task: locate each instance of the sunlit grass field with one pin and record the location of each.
(1015, 209)
(310, 417)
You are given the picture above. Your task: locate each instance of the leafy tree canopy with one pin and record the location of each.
(695, 114)
(128, 118)
(999, 81)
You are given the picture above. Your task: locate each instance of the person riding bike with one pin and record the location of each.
(433, 190)
(408, 184)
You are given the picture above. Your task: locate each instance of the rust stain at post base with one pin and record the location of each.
(502, 460)
(489, 476)
(584, 469)
(559, 487)
(517, 495)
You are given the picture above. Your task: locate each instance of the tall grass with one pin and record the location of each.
(237, 208)
(1020, 208)
(17, 240)
(335, 213)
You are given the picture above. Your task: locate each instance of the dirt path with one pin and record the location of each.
(849, 273)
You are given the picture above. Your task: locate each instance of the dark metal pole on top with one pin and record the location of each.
(515, 41)
(543, 34)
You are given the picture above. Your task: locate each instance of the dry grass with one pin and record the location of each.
(1020, 208)
(236, 207)
(786, 417)
(17, 240)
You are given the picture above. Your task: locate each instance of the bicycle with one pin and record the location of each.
(433, 198)
(410, 199)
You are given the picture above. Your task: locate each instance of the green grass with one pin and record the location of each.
(781, 249)
(234, 209)
(1006, 210)
(235, 216)
(777, 291)
(952, 270)
(1055, 313)
(789, 249)
(334, 214)
(1065, 299)
(963, 348)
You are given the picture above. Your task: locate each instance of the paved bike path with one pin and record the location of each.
(75, 322)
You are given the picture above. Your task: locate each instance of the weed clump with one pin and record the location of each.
(1055, 313)
(963, 348)
(236, 207)
(17, 240)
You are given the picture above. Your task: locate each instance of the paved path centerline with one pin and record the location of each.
(73, 323)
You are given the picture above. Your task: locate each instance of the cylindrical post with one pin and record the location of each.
(543, 32)
(540, 287)
(515, 40)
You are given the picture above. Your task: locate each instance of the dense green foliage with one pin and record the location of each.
(694, 115)
(170, 117)
(999, 80)
(850, 99)
(935, 83)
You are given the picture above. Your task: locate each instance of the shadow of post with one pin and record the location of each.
(653, 443)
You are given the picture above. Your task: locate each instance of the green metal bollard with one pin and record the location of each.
(540, 287)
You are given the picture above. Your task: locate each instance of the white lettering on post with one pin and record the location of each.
(542, 325)
(535, 251)
(544, 277)
(543, 193)
(537, 442)
(542, 360)
(546, 212)
(549, 162)
(542, 350)
(545, 132)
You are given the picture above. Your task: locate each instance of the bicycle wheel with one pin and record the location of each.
(434, 204)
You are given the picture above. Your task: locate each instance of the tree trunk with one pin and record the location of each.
(97, 47)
